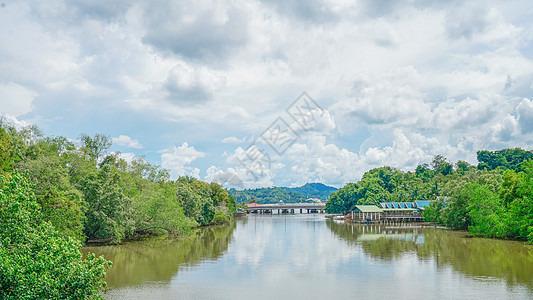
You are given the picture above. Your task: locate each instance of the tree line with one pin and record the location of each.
(57, 194)
(493, 198)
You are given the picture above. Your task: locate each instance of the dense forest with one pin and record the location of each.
(57, 194)
(493, 199)
(285, 194)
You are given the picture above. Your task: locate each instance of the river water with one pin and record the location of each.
(306, 256)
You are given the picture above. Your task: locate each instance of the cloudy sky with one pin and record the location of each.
(206, 88)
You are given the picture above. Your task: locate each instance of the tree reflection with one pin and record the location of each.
(159, 259)
(474, 257)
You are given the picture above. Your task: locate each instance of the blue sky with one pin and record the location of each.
(193, 85)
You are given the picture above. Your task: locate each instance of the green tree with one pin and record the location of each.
(221, 197)
(462, 167)
(433, 213)
(108, 210)
(424, 172)
(520, 209)
(344, 199)
(61, 203)
(505, 158)
(95, 146)
(36, 262)
(7, 153)
(510, 187)
(455, 214)
(194, 196)
(202, 200)
(441, 165)
(157, 209)
(485, 211)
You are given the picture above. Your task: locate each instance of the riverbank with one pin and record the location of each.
(152, 236)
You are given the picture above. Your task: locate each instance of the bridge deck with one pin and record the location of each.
(286, 206)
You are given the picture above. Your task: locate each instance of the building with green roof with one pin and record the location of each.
(390, 211)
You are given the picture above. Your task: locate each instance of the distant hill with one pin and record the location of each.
(285, 194)
(314, 190)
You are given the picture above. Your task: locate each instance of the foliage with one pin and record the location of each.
(221, 215)
(72, 191)
(86, 194)
(267, 195)
(108, 209)
(202, 200)
(7, 153)
(517, 193)
(441, 165)
(35, 260)
(493, 200)
(433, 213)
(343, 200)
(60, 201)
(313, 190)
(288, 195)
(384, 184)
(95, 146)
(507, 159)
(157, 210)
(455, 214)
(485, 211)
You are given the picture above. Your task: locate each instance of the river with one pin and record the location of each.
(306, 256)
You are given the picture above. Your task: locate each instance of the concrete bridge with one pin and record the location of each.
(286, 208)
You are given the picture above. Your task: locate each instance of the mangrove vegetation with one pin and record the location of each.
(57, 194)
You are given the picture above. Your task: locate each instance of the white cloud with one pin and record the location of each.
(400, 81)
(196, 29)
(251, 167)
(315, 121)
(387, 99)
(505, 130)
(178, 159)
(16, 99)
(525, 115)
(126, 141)
(233, 140)
(317, 161)
(402, 154)
(12, 120)
(188, 84)
(464, 114)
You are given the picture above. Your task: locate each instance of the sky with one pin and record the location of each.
(273, 93)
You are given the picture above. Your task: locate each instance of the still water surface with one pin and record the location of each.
(309, 257)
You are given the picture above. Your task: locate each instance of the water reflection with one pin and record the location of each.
(159, 259)
(306, 257)
(480, 259)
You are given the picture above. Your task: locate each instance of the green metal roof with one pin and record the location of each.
(368, 208)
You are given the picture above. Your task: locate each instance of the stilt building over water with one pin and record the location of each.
(389, 212)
